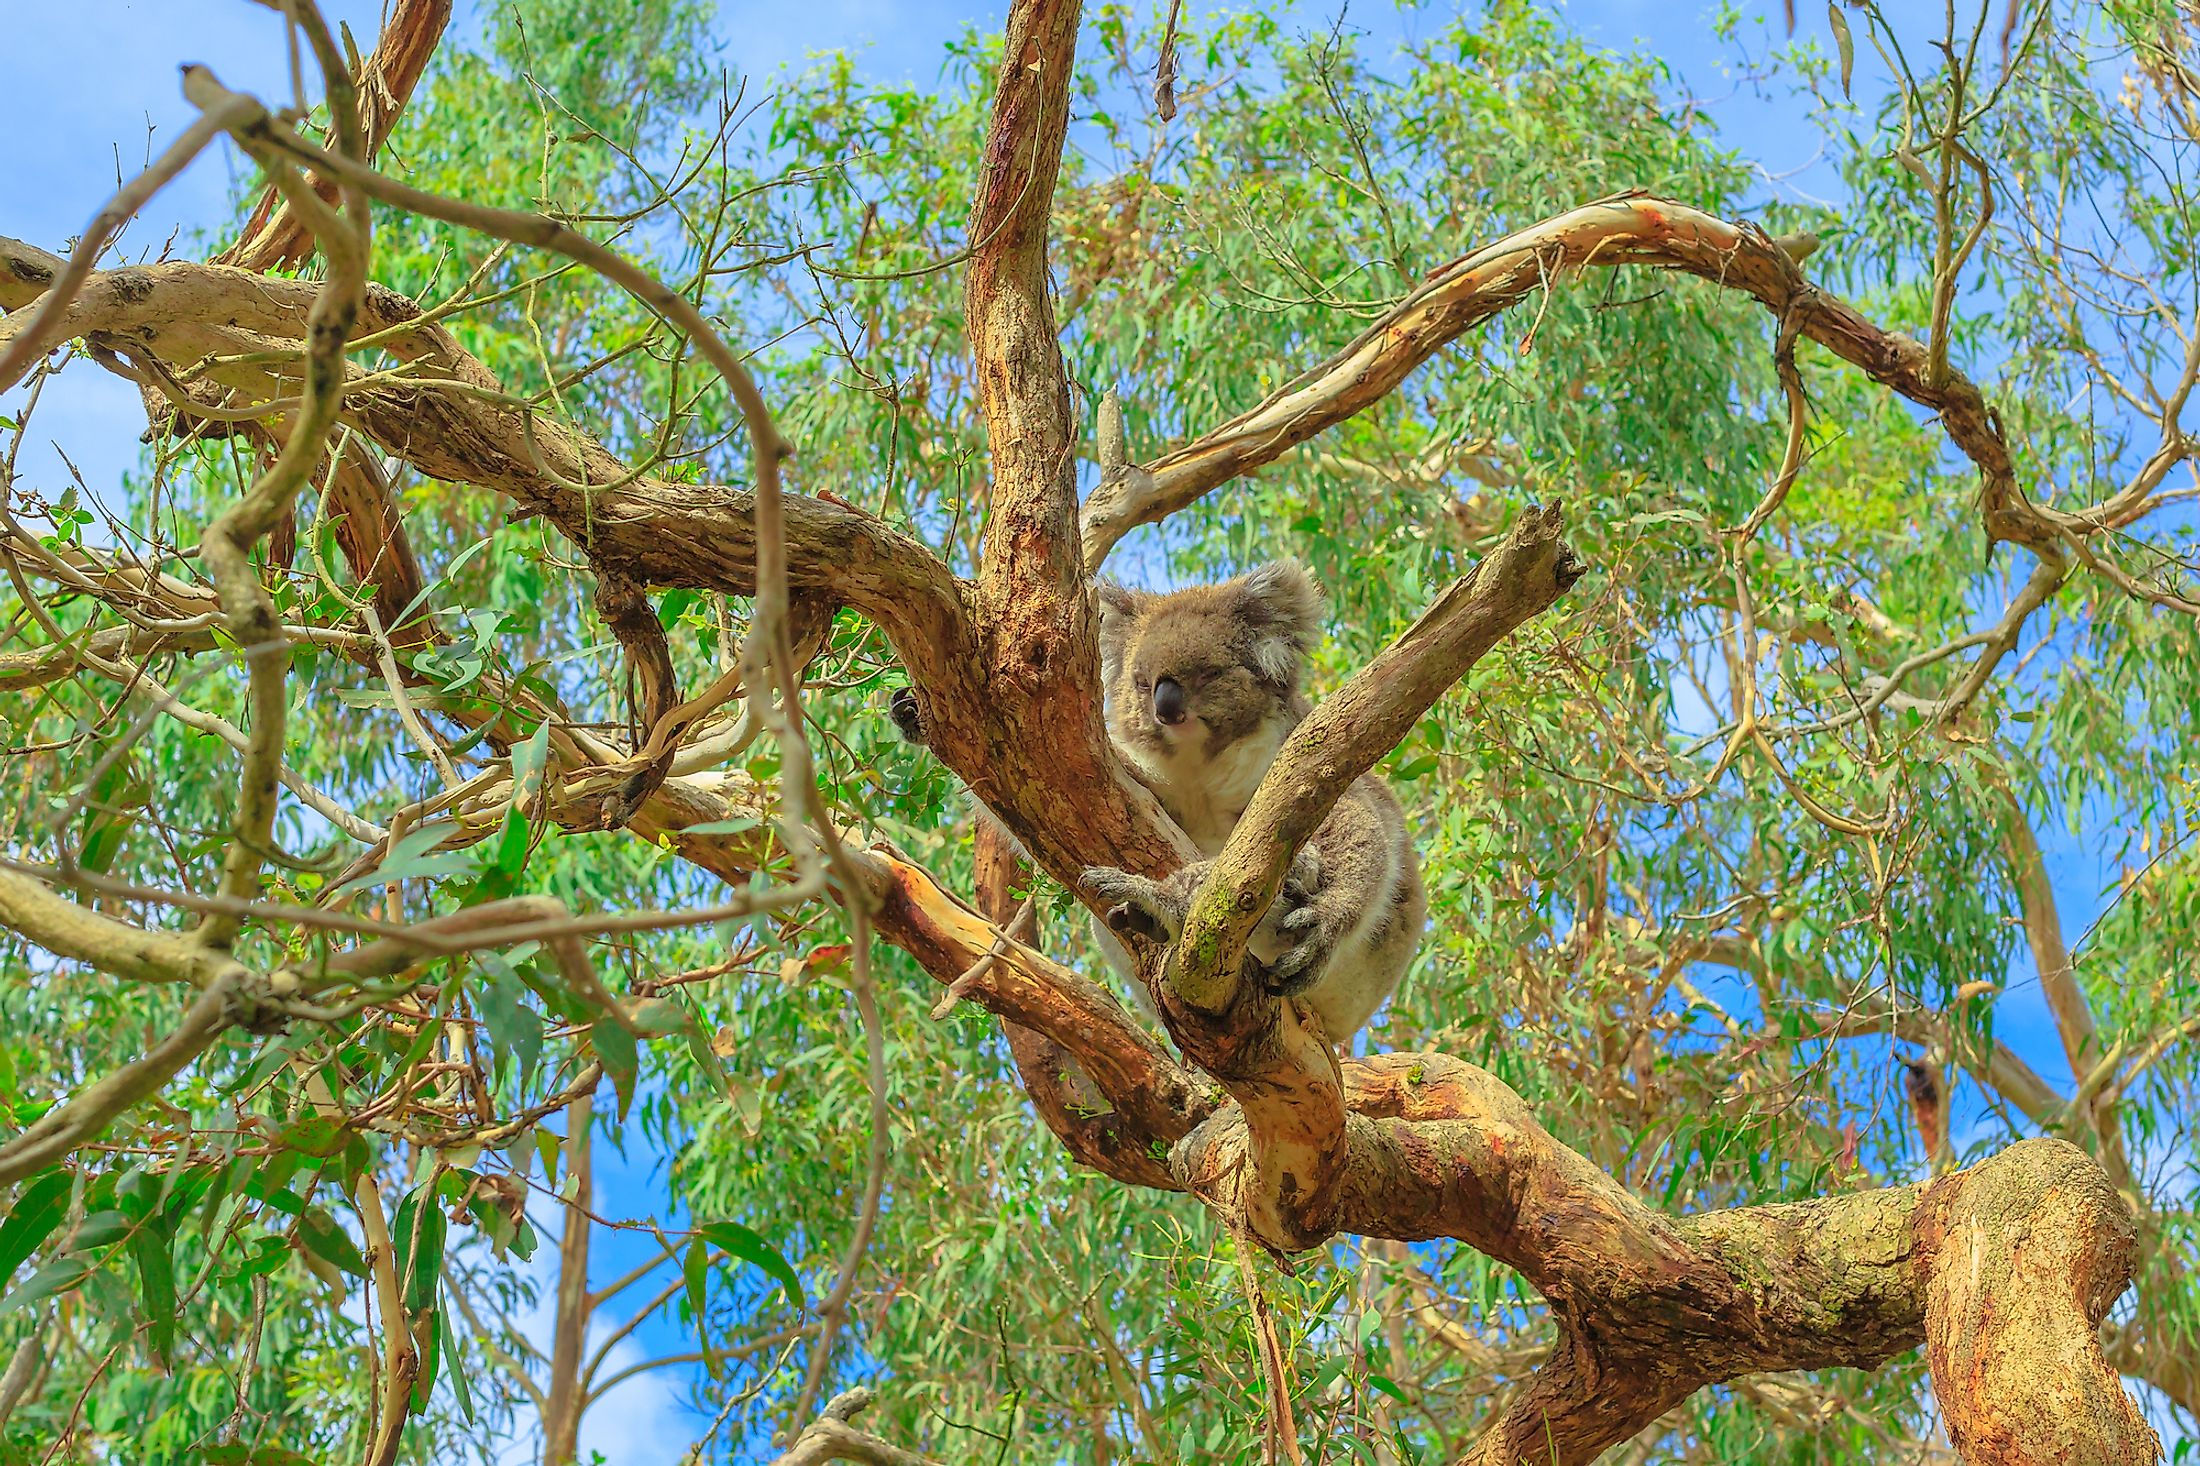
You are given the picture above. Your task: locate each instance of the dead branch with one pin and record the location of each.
(831, 1438)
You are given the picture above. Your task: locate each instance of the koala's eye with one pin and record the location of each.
(1145, 683)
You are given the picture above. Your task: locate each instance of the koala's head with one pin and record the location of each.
(1198, 669)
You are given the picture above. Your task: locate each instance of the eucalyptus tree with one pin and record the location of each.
(464, 744)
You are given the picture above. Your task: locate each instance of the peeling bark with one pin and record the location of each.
(274, 238)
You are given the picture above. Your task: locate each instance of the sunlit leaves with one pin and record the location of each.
(1651, 962)
(37, 1210)
(320, 1234)
(419, 1231)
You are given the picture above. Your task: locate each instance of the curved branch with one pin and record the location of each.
(274, 238)
(2022, 1258)
(1628, 229)
(1651, 1308)
(450, 420)
(1157, 1098)
(1145, 1099)
(226, 547)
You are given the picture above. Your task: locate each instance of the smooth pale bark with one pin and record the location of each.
(562, 1398)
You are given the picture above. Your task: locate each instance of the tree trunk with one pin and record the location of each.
(562, 1400)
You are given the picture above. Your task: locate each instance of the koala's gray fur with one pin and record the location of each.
(1353, 907)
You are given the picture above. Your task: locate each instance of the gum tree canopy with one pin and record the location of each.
(461, 742)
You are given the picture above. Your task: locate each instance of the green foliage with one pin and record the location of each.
(1656, 958)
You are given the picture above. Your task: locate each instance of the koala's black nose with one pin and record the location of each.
(1168, 701)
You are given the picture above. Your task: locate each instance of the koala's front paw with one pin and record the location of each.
(1138, 906)
(1310, 930)
(907, 718)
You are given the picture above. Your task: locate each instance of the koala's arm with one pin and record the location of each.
(1155, 910)
(1368, 904)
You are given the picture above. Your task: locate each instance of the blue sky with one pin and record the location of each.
(71, 137)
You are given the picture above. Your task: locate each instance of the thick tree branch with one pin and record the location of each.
(2022, 1256)
(448, 417)
(1652, 1308)
(1023, 387)
(1281, 1074)
(1037, 730)
(1146, 1099)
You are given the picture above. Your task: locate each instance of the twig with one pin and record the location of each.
(50, 325)
(1283, 1425)
(226, 547)
(1018, 930)
(833, 1312)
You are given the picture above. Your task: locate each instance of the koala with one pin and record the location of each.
(1202, 687)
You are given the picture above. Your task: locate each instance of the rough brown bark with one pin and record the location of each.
(1038, 728)
(274, 238)
(2020, 1273)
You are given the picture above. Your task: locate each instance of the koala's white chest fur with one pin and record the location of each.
(1206, 795)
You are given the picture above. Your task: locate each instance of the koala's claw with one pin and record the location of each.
(1310, 944)
(908, 719)
(1138, 906)
(1296, 970)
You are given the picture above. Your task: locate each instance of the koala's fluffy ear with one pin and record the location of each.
(1283, 606)
(1118, 613)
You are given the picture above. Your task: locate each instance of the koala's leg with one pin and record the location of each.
(1361, 853)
